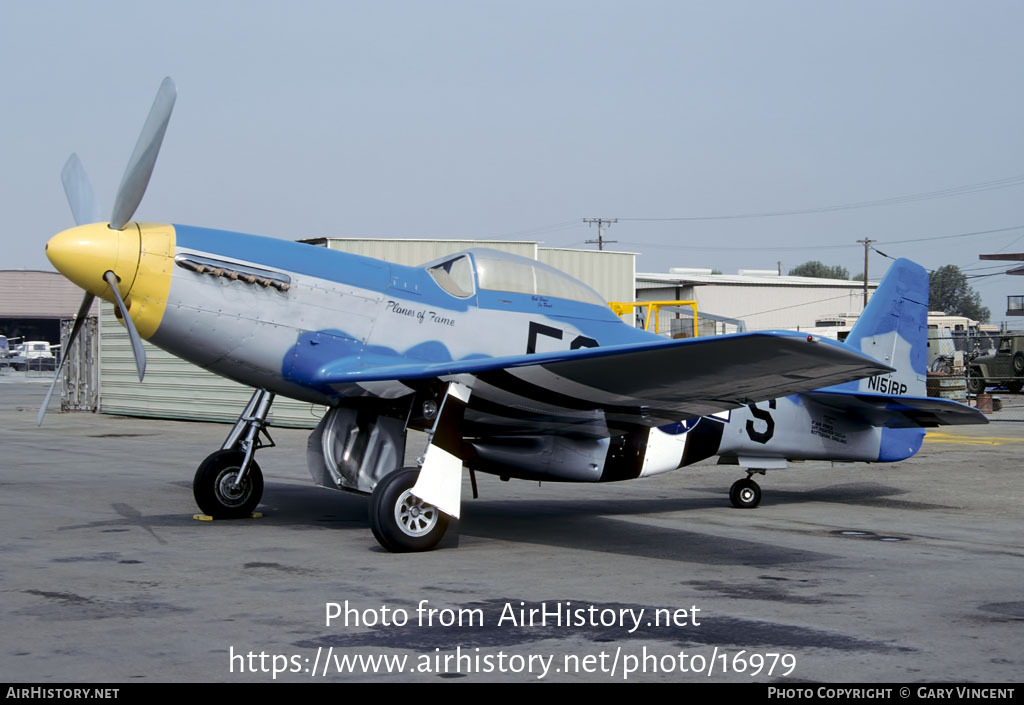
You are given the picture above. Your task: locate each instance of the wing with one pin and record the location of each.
(601, 391)
(899, 412)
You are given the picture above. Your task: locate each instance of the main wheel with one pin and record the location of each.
(401, 521)
(975, 383)
(1018, 362)
(213, 486)
(745, 494)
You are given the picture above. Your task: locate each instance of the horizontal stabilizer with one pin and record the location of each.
(899, 411)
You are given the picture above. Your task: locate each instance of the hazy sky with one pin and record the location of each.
(518, 119)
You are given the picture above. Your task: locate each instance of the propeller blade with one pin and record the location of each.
(81, 197)
(140, 166)
(83, 313)
(133, 335)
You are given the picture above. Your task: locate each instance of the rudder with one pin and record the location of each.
(893, 329)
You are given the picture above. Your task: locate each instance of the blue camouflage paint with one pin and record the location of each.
(401, 282)
(549, 306)
(296, 257)
(899, 304)
(315, 352)
(899, 443)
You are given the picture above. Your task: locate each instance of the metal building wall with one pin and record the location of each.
(27, 293)
(175, 389)
(611, 274)
(765, 307)
(416, 252)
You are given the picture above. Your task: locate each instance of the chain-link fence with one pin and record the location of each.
(984, 370)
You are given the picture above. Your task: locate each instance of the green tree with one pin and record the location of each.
(949, 291)
(815, 268)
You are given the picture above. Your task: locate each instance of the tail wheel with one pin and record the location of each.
(745, 494)
(214, 490)
(400, 520)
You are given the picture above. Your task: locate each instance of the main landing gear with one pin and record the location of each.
(401, 521)
(745, 493)
(357, 449)
(229, 482)
(405, 522)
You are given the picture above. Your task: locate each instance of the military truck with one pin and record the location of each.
(1005, 366)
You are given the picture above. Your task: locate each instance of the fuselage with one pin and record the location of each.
(269, 313)
(274, 314)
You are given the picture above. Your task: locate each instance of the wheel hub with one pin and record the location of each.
(414, 516)
(228, 492)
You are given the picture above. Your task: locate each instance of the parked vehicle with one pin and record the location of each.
(35, 355)
(1005, 366)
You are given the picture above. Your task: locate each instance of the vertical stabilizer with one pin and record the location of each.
(893, 329)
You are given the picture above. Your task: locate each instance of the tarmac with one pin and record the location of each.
(882, 573)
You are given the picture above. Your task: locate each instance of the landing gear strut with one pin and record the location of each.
(745, 493)
(410, 508)
(229, 482)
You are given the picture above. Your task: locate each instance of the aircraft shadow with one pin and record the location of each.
(582, 524)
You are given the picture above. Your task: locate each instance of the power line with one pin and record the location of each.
(815, 246)
(541, 229)
(995, 184)
(982, 276)
(806, 303)
(745, 248)
(949, 237)
(982, 267)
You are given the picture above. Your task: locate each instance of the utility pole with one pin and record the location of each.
(601, 224)
(867, 247)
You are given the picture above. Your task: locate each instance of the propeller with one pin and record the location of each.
(133, 335)
(140, 165)
(81, 198)
(85, 209)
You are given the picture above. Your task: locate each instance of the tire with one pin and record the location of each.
(212, 486)
(745, 494)
(1018, 363)
(401, 522)
(975, 383)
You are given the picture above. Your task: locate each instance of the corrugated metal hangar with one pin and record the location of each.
(33, 303)
(611, 274)
(760, 299)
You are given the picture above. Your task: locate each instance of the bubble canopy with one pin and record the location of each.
(503, 271)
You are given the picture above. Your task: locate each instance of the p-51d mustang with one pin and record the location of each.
(511, 366)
